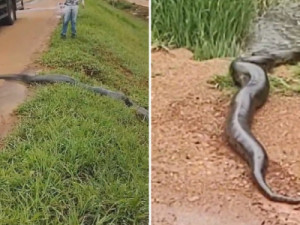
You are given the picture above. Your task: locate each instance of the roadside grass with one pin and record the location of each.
(120, 4)
(76, 157)
(111, 47)
(210, 29)
(139, 11)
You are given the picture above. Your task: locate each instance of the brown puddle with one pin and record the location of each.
(20, 45)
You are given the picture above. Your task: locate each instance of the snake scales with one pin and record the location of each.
(45, 79)
(274, 41)
(250, 74)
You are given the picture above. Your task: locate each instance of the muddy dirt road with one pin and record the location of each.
(196, 178)
(20, 45)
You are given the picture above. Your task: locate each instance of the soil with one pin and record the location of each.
(20, 46)
(196, 177)
(139, 8)
(144, 3)
(140, 11)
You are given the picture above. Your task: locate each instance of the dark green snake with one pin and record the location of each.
(48, 79)
(250, 74)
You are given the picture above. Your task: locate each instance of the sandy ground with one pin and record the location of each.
(20, 45)
(196, 178)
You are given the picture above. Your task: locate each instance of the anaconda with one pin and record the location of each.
(250, 73)
(58, 78)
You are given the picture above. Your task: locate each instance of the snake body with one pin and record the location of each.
(250, 74)
(58, 78)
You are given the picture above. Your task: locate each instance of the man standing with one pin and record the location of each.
(70, 13)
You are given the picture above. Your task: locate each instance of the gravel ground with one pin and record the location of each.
(196, 177)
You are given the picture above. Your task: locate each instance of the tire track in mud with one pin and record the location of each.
(195, 174)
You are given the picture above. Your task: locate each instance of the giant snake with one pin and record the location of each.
(45, 79)
(250, 74)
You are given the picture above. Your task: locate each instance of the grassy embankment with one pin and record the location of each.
(76, 157)
(212, 29)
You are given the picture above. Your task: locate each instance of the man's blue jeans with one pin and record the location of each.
(70, 14)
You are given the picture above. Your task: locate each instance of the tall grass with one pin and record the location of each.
(210, 28)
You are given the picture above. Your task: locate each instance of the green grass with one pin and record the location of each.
(111, 47)
(120, 4)
(209, 28)
(222, 82)
(76, 157)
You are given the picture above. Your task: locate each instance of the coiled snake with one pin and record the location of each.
(250, 74)
(45, 79)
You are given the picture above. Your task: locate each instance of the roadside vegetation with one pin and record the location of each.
(76, 157)
(111, 48)
(132, 8)
(208, 28)
(120, 4)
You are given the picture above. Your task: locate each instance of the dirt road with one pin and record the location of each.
(144, 3)
(20, 45)
(196, 178)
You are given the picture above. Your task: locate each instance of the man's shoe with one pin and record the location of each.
(73, 36)
(63, 36)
